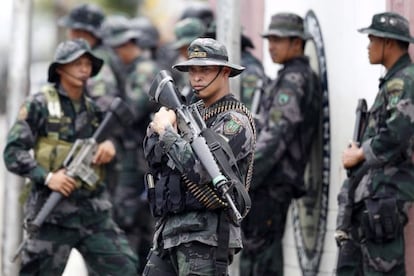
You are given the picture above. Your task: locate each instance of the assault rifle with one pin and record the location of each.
(191, 126)
(78, 165)
(355, 175)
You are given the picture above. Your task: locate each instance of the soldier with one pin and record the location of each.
(149, 37)
(374, 243)
(288, 122)
(185, 31)
(85, 21)
(135, 74)
(48, 123)
(192, 238)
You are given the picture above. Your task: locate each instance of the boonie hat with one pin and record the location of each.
(389, 25)
(187, 30)
(70, 50)
(287, 25)
(118, 30)
(87, 17)
(208, 52)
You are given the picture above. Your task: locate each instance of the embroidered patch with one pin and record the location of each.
(232, 126)
(22, 113)
(283, 99)
(395, 85)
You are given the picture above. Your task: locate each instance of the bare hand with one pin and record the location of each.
(163, 118)
(60, 182)
(105, 153)
(352, 156)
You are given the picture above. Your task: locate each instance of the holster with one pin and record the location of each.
(381, 221)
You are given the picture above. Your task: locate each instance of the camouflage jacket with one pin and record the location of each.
(289, 119)
(388, 140)
(136, 79)
(200, 225)
(250, 76)
(104, 86)
(30, 126)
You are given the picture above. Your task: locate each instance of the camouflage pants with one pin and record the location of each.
(189, 259)
(263, 229)
(131, 209)
(102, 245)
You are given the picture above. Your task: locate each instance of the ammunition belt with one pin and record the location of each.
(204, 194)
(237, 106)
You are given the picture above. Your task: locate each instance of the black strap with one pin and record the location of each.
(222, 252)
(229, 166)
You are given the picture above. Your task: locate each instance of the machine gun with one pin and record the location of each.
(355, 175)
(191, 126)
(78, 165)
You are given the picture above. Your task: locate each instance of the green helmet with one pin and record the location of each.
(117, 30)
(187, 30)
(70, 50)
(287, 25)
(389, 25)
(208, 52)
(88, 17)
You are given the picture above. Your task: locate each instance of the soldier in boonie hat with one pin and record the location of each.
(188, 30)
(208, 52)
(88, 17)
(118, 30)
(69, 51)
(287, 25)
(389, 25)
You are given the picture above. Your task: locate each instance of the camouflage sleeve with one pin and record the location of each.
(284, 117)
(138, 85)
(394, 137)
(22, 137)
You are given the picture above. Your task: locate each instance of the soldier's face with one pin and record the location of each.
(77, 72)
(280, 49)
(376, 49)
(207, 81)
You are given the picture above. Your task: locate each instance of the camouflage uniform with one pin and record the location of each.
(289, 119)
(83, 219)
(253, 79)
(131, 208)
(186, 238)
(185, 31)
(375, 245)
(89, 17)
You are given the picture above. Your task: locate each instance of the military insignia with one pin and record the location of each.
(232, 126)
(283, 99)
(22, 113)
(395, 86)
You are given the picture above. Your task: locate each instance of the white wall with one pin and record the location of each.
(350, 77)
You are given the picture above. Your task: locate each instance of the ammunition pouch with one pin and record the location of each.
(382, 220)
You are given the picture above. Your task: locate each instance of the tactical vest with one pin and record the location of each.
(174, 193)
(50, 151)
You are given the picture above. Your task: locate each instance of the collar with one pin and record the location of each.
(402, 62)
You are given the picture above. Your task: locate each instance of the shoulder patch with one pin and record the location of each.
(232, 126)
(283, 98)
(395, 85)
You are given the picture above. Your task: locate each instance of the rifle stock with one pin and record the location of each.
(78, 165)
